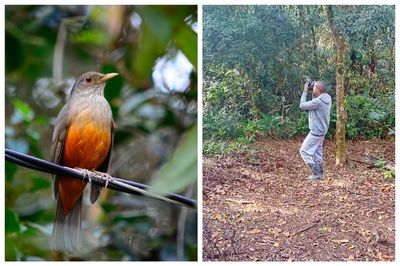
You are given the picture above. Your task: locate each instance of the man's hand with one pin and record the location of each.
(306, 87)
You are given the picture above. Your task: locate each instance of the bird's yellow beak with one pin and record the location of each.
(108, 76)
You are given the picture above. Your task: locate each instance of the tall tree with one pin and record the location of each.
(341, 151)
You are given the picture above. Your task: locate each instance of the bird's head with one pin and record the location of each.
(91, 83)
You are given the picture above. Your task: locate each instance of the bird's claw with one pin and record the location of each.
(86, 174)
(105, 176)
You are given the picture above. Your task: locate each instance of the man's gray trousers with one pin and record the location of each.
(311, 149)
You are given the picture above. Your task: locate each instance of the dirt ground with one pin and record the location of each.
(258, 206)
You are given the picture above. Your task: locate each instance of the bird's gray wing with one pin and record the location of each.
(58, 141)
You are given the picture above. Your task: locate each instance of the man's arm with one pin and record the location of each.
(308, 105)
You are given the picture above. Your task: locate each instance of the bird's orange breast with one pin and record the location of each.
(87, 144)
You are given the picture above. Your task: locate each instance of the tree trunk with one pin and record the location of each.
(252, 89)
(341, 151)
(315, 52)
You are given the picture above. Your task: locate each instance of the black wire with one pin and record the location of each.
(25, 164)
(52, 168)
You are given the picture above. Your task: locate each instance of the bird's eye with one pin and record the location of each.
(88, 79)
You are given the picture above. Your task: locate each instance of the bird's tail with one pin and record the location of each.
(67, 228)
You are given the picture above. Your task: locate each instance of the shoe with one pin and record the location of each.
(313, 177)
(321, 169)
(316, 170)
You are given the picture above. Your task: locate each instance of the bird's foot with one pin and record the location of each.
(86, 174)
(104, 176)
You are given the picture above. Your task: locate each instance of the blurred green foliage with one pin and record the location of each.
(256, 58)
(181, 170)
(370, 117)
(47, 47)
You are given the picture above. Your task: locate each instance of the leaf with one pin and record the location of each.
(12, 222)
(11, 169)
(181, 169)
(341, 241)
(113, 86)
(113, 89)
(254, 231)
(22, 112)
(218, 217)
(11, 249)
(93, 37)
(156, 31)
(15, 53)
(186, 40)
(40, 183)
(377, 116)
(324, 229)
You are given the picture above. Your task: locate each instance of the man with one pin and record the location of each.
(318, 122)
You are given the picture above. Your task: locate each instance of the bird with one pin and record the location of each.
(82, 138)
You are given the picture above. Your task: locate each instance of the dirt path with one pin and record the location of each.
(257, 206)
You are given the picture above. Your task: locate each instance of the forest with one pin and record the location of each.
(256, 60)
(154, 106)
(256, 203)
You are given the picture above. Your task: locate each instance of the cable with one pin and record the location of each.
(114, 183)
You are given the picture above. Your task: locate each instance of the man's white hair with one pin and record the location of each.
(321, 86)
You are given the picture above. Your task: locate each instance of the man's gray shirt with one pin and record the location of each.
(319, 112)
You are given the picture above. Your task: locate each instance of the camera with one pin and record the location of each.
(310, 83)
